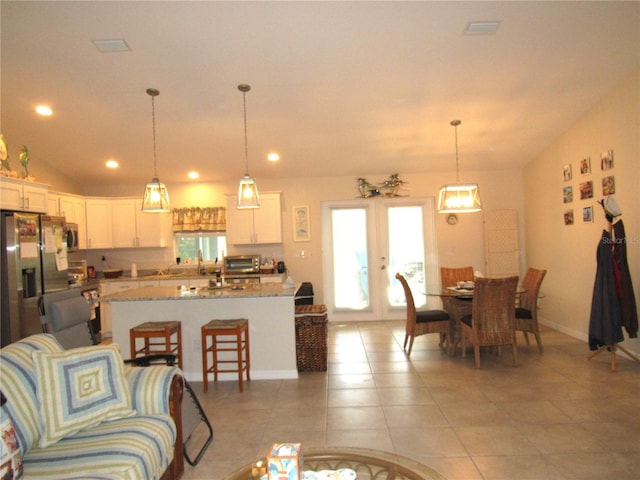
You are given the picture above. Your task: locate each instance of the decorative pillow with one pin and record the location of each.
(10, 453)
(78, 389)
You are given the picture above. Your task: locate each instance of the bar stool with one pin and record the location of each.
(170, 332)
(225, 328)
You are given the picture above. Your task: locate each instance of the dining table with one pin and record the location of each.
(457, 302)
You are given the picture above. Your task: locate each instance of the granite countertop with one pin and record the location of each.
(180, 293)
(126, 277)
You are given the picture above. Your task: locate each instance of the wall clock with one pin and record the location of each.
(452, 219)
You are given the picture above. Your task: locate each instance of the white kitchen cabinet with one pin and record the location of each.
(124, 222)
(152, 229)
(23, 196)
(255, 225)
(53, 204)
(99, 223)
(72, 208)
(134, 228)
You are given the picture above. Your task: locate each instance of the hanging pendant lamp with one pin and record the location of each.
(156, 196)
(460, 197)
(247, 190)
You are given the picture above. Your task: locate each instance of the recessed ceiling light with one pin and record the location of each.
(44, 110)
(193, 175)
(111, 45)
(489, 27)
(112, 164)
(273, 157)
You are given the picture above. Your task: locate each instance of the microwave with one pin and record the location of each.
(71, 235)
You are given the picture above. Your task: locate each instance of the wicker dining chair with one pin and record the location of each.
(421, 322)
(449, 277)
(527, 310)
(492, 319)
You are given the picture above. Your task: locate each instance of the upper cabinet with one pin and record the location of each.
(53, 204)
(255, 225)
(99, 226)
(134, 228)
(23, 196)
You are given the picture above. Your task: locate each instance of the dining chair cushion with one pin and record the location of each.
(424, 316)
(467, 320)
(523, 313)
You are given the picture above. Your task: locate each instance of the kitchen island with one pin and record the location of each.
(268, 307)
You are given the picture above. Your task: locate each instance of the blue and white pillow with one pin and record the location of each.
(78, 389)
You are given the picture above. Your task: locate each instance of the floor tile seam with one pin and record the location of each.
(557, 470)
(556, 460)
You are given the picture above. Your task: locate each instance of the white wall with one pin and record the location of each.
(569, 252)
(458, 245)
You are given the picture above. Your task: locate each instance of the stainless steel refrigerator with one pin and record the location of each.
(33, 262)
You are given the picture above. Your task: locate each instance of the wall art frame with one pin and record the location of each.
(585, 166)
(301, 224)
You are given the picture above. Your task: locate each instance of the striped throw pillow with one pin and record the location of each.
(78, 389)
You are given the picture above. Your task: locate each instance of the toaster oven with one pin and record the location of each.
(242, 264)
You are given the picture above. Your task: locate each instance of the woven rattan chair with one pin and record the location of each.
(527, 310)
(492, 319)
(421, 322)
(455, 307)
(450, 277)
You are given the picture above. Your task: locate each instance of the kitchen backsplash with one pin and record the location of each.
(160, 258)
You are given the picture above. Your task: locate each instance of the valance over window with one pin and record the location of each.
(199, 219)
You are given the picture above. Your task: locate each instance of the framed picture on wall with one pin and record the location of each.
(568, 217)
(608, 185)
(585, 166)
(606, 160)
(587, 214)
(567, 174)
(567, 194)
(586, 190)
(301, 227)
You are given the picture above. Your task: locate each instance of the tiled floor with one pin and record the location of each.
(556, 416)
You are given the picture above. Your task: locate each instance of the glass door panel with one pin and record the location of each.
(406, 253)
(365, 243)
(350, 265)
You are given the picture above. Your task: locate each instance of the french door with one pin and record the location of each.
(365, 243)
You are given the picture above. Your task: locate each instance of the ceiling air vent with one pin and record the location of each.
(482, 27)
(113, 45)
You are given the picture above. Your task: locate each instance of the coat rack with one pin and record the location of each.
(613, 349)
(613, 303)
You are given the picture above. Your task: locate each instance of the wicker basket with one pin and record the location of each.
(311, 337)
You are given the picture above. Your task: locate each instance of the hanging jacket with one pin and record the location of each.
(628, 309)
(605, 327)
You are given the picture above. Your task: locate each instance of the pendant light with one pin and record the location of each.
(156, 196)
(459, 198)
(247, 190)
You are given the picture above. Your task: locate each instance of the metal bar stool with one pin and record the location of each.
(170, 332)
(225, 329)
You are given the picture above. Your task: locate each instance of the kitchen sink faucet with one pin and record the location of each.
(200, 265)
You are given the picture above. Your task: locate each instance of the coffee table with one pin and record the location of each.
(368, 464)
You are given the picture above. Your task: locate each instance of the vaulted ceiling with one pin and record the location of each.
(338, 88)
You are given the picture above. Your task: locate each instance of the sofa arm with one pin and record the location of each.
(151, 388)
(159, 390)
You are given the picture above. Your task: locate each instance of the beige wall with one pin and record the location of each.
(569, 252)
(458, 245)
